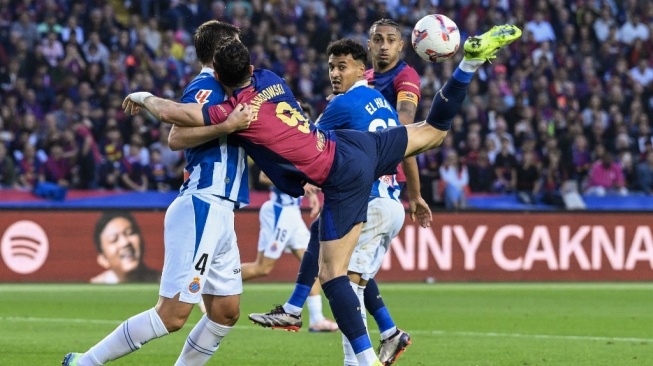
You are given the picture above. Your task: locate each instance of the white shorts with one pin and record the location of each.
(282, 228)
(201, 253)
(385, 217)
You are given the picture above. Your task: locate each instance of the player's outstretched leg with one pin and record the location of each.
(478, 50)
(125, 339)
(289, 316)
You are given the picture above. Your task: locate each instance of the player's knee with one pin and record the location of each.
(265, 270)
(174, 323)
(227, 316)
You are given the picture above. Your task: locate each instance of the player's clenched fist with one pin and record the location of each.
(240, 118)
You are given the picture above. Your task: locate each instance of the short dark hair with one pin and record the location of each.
(108, 216)
(385, 21)
(231, 62)
(347, 46)
(210, 35)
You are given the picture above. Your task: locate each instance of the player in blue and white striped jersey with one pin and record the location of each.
(202, 261)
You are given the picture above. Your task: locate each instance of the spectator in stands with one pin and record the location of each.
(30, 168)
(429, 176)
(481, 173)
(157, 175)
(133, 174)
(645, 174)
(540, 29)
(528, 182)
(7, 169)
(605, 177)
(56, 169)
(633, 29)
(642, 73)
(555, 175)
(455, 181)
(173, 160)
(505, 169)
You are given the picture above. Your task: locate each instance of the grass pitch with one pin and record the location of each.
(451, 324)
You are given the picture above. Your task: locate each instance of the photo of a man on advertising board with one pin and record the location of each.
(120, 250)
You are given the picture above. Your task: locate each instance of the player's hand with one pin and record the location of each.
(134, 101)
(420, 211)
(240, 118)
(310, 192)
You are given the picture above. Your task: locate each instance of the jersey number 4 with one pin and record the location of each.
(200, 265)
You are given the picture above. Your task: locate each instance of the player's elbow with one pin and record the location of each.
(174, 141)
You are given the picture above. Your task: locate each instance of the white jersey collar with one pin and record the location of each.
(206, 69)
(358, 83)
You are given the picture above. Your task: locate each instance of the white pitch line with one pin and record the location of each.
(415, 332)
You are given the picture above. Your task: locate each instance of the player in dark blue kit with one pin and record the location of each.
(399, 84)
(344, 163)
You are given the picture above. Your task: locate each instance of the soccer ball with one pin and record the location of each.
(435, 38)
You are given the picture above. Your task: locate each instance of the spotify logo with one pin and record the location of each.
(24, 247)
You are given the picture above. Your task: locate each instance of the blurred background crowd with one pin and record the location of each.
(567, 108)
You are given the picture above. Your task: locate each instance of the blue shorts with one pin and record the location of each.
(361, 158)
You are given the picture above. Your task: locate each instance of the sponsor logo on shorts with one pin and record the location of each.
(274, 247)
(194, 286)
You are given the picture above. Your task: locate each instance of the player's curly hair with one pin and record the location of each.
(210, 35)
(231, 62)
(347, 46)
(384, 21)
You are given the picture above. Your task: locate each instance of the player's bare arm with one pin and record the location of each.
(188, 137)
(418, 208)
(185, 115)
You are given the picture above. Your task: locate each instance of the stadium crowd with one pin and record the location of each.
(570, 102)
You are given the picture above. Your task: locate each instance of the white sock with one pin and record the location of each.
(292, 309)
(360, 291)
(350, 356)
(314, 304)
(127, 338)
(368, 356)
(388, 333)
(202, 342)
(470, 65)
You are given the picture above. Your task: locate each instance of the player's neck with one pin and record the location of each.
(230, 90)
(386, 68)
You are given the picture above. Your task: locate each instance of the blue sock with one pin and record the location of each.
(344, 306)
(375, 306)
(308, 269)
(447, 101)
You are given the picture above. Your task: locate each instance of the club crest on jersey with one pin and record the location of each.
(194, 286)
(202, 96)
(321, 141)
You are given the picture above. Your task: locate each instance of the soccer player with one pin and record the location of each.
(282, 227)
(399, 84)
(201, 256)
(345, 164)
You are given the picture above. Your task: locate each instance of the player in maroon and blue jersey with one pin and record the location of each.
(344, 163)
(399, 84)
